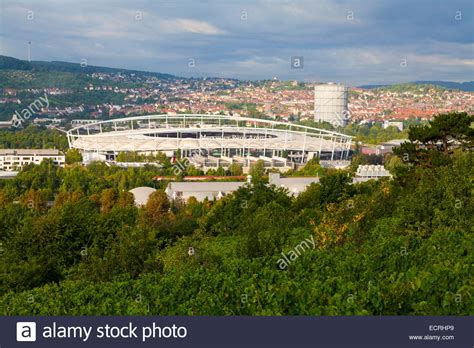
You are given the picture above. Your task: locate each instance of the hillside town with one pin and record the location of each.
(111, 95)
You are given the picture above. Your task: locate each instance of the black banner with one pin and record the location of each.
(408, 331)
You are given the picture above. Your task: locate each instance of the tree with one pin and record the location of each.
(392, 161)
(3, 199)
(312, 168)
(64, 197)
(107, 199)
(265, 231)
(157, 208)
(46, 175)
(444, 133)
(257, 171)
(220, 171)
(125, 199)
(309, 198)
(335, 187)
(235, 169)
(191, 170)
(35, 199)
(73, 156)
(130, 252)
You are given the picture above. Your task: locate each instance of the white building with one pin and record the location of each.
(6, 124)
(7, 175)
(397, 124)
(367, 172)
(218, 189)
(141, 194)
(295, 185)
(14, 159)
(330, 104)
(202, 190)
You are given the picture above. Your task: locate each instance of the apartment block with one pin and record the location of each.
(15, 159)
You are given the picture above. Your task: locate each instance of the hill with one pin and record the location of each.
(10, 63)
(412, 87)
(463, 86)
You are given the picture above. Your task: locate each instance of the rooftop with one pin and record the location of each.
(31, 152)
(206, 186)
(141, 194)
(295, 185)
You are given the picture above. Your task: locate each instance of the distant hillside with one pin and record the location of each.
(10, 63)
(412, 87)
(463, 86)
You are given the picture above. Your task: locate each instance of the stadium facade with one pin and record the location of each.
(207, 137)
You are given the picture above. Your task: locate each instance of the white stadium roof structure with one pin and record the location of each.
(209, 135)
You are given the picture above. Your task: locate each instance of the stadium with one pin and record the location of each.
(209, 140)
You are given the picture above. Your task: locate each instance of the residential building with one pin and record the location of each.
(14, 159)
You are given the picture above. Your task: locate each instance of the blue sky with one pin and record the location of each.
(353, 42)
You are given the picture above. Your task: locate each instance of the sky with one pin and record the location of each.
(353, 42)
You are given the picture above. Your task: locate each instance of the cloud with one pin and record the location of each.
(190, 26)
(350, 41)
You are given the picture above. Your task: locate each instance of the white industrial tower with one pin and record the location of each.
(330, 104)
